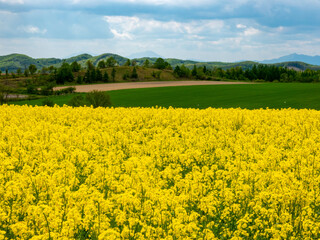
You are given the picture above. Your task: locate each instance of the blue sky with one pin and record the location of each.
(209, 30)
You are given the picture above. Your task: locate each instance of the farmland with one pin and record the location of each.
(153, 173)
(251, 96)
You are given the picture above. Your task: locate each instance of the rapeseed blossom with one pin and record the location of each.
(153, 173)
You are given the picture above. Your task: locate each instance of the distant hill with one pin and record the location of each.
(14, 61)
(313, 60)
(149, 54)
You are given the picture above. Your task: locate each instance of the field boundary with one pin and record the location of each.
(133, 85)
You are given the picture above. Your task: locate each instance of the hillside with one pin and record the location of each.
(13, 62)
(313, 60)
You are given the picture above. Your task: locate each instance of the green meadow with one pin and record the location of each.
(251, 96)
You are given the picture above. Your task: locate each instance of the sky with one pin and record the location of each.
(206, 30)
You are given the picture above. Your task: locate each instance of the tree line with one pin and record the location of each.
(260, 72)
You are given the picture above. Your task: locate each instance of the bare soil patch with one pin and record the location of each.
(131, 85)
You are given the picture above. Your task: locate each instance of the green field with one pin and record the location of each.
(251, 96)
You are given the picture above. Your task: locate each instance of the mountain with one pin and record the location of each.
(13, 62)
(145, 54)
(314, 60)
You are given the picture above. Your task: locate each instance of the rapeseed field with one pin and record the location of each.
(153, 173)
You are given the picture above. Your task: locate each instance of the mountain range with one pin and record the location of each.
(313, 60)
(13, 62)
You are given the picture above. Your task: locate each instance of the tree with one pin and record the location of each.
(32, 69)
(89, 65)
(194, 71)
(94, 98)
(98, 99)
(26, 72)
(64, 73)
(4, 92)
(128, 62)
(101, 64)
(146, 63)
(113, 74)
(133, 63)
(134, 73)
(19, 72)
(160, 63)
(99, 77)
(75, 66)
(105, 77)
(111, 62)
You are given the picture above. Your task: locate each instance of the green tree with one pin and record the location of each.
(128, 63)
(75, 66)
(134, 73)
(64, 73)
(133, 63)
(111, 62)
(19, 71)
(90, 65)
(146, 63)
(32, 69)
(101, 64)
(98, 99)
(113, 74)
(105, 77)
(99, 77)
(26, 72)
(194, 71)
(160, 63)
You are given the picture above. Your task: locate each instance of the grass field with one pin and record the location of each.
(278, 95)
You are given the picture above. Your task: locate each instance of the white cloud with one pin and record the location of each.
(241, 26)
(33, 30)
(12, 1)
(251, 31)
(131, 27)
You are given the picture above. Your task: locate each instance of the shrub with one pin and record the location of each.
(94, 98)
(63, 91)
(98, 99)
(77, 101)
(47, 102)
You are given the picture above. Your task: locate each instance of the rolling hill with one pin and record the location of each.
(13, 62)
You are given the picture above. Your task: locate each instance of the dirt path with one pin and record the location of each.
(118, 86)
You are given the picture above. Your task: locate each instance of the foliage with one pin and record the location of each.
(47, 89)
(77, 101)
(134, 73)
(98, 99)
(93, 98)
(111, 62)
(105, 77)
(161, 64)
(113, 74)
(64, 73)
(47, 102)
(63, 91)
(156, 74)
(90, 65)
(117, 173)
(101, 64)
(4, 93)
(75, 66)
(32, 69)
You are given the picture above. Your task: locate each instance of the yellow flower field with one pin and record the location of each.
(134, 173)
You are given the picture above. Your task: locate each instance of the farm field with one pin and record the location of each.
(250, 96)
(154, 173)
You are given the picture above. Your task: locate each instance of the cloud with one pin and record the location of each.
(12, 1)
(251, 31)
(134, 27)
(33, 30)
